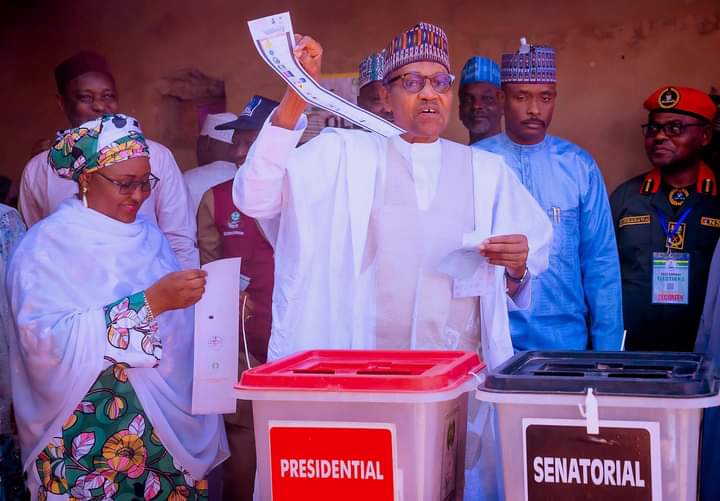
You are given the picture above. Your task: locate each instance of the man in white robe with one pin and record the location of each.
(365, 221)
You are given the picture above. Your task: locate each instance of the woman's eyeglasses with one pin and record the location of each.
(130, 187)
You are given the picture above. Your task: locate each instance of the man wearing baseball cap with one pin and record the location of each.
(667, 222)
(214, 153)
(481, 100)
(223, 232)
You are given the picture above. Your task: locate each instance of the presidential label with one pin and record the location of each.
(562, 461)
(670, 278)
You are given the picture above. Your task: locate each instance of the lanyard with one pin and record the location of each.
(670, 235)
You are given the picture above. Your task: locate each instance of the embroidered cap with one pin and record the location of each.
(422, 42)
(253, 116)
(681, 100)
(530, 64)
(479, 69)
(98, 143)
(371, 69)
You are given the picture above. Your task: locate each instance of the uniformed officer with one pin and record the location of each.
(667, 222)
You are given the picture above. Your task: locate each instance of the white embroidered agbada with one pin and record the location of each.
(68, 267)
(323, 193)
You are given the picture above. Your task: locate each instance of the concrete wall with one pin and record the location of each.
(611, 54)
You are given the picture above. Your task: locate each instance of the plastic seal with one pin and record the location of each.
(480, 378)
(590, 413)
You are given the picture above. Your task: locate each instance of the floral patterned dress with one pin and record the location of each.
(108, 449)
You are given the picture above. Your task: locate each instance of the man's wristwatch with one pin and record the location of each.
(517, 280)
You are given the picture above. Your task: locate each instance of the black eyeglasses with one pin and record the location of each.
(129, 188)
(415, 82)
(671, 129)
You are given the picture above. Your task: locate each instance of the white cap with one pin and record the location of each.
(212, 121)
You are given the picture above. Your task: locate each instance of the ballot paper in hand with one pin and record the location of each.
(216, 346)
(274, 39)
(471, 273)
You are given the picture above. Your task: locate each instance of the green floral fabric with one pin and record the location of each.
(108, 449)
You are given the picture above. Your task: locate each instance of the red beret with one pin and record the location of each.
(79, 64)
(683, 100)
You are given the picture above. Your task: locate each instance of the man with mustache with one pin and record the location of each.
(481, 100)
(576, 303)
(366, 221)
(668, 216)
(372, 95)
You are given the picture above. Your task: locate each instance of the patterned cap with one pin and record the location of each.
(371, 69)
(530, 64)
(682, 100)
(480, 70)
(98, 143)
(422, 42)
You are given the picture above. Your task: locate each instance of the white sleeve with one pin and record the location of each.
(275, 170)
(172, 207)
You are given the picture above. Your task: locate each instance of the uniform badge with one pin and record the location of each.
(710, 221)
(234, 221)
(632, 220)
(669, 98)
(678, 241)
(678, 196)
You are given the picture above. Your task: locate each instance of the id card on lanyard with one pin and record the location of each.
(670, 270)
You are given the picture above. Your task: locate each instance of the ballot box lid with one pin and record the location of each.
(365, 371)
(621, 373)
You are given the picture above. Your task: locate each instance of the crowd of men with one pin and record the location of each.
(341, 236)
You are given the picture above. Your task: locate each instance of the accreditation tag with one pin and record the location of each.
(670, 278)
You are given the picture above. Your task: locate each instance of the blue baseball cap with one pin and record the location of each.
(253, 116)
(480, 70)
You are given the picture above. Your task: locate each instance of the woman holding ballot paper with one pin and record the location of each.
(102, 357)
(407, 242)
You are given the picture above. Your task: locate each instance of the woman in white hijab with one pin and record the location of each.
(101, 362)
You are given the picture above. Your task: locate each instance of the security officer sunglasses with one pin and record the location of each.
(671, 129)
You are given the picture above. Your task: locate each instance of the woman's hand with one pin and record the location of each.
(176, 290)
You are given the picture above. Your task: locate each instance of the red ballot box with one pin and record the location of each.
(361, 425)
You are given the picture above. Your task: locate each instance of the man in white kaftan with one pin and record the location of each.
(365, 221)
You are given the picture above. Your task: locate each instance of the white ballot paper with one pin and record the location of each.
(274, 39)
(471, 273)
(216, 346)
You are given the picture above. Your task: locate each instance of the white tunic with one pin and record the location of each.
(323, 193)
(168, 206)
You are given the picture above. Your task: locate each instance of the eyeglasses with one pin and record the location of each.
(671, 129)
(129, 188)
(415, 82)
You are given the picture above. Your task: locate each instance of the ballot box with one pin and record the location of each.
(600, 425)
(361, 425)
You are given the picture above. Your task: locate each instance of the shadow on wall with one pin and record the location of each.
(186, 97)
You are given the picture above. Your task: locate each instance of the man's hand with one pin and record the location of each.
(309, 54)
(510, 251)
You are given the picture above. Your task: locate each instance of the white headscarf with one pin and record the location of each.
(66, 269)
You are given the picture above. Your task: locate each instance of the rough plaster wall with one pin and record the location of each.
(611, 55)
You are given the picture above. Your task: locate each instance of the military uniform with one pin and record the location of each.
(635, 206)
